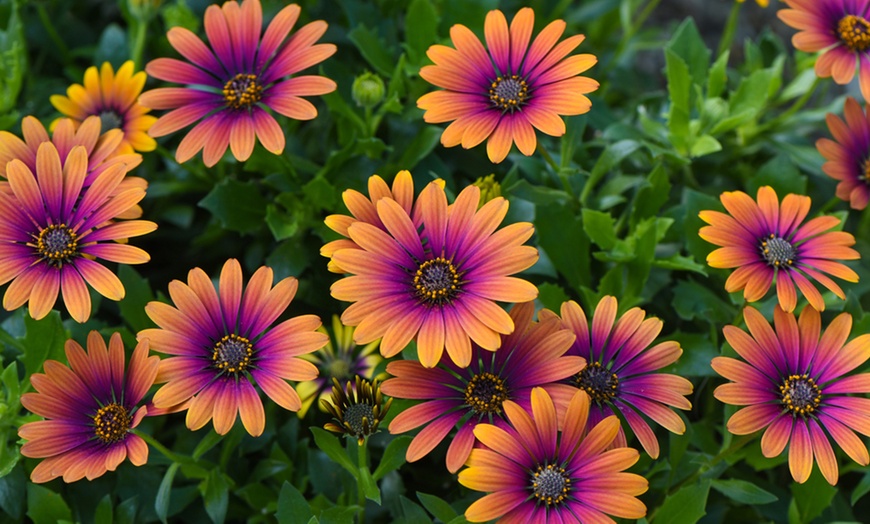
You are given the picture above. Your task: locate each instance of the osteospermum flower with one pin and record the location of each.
(341, 359)
(503, 92)
(792, 382)
(52, 230)
(768, 242)
(221, 340)
(438, 285)
(838, 28)
(534, 355)
(358, 411)
(113, 98)
(90, 408)
(621, 373)
(848, 155)
(533, 472)
(231, 83)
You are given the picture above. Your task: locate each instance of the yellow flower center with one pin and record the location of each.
(111, 423)
(508, 93)
(485, 393)
(777, 251)
(800, 394)
(242, 91)
(57, 243)
(550, 484)
(854, 31)
(436, 281)
(598, 382)
(232, 354)
(867, 171)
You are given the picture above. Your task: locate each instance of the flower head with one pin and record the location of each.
(231, 83)
(111, 97)
(792, 382)
(342, 359)
(53, 229)
(767, 241)
(221, 340)
(357, 411)
(620, 376)
(90, 408)
(533, 355)
(848, 155)
(437, 281)
(503, 92)
(533, 472)
(838, 28)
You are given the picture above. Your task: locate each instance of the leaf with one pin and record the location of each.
(210, 440)
(688, 44)
(330, 445)
(125, 513)
(411, 512)
(812, 497)
(560, 235)
(373, 49)
(161, 501)
(319, 192)
(45, 506)
(421, 28)
(9, 377)
(686, 506)
(600, 227)
(704, 145)
(13, 492)
(652, 195)
(292, 506)
(612, 155)
(438, 507)
(424, 142)
(680, 263)
(552, 296)
(679, 89)
(540, 195)
(718, 78)
(394, 456)
(339, 515)
(370, 487)
(238, 206)
(103, 513)
(743, 492)
(112, 46)
(698, 351)
(781, 174)
(693, 300)
(44, 339)
(215, 495)
(138, 294)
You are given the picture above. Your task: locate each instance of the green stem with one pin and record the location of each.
(730, 29)
(166, 452)
(639, 21)
(362, 463)
(797, 106)
(52, 32)
(139, 44)
(562, 174)
(829, 204)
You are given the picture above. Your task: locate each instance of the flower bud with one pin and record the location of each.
(368, 90)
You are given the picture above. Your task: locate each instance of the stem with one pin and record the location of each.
(166, 452)
(139, 44)
(52, 33)
(730, 28)
(563, 176)
(799, 103)
(829, 204)
(362, 463)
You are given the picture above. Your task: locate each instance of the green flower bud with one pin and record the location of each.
(489, 189)
(368, 90)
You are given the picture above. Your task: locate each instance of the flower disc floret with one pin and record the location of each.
(232, 353)
(854, 31)
(550, 484)
(57, 243)
(242, 91)
(111, 423)
(800, 394)
(485, 393)
(598, 382)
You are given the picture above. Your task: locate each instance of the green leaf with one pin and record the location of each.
(412, 513)
(394, 456)
(680, 263)
(686, 506)
(552, 295)
(45, 506)
(752, 93)
(161, 501)
(688, 44)
(718, 78)
(137, 295)
(103, 513)
(652, 195)
(812, 497)
(600, 227)
(861, 489)
(44, 339)
(421, 28)
(9, 377)
(540, 195)
(321, 193)
(373, 49)
(704, 145)
(612, 155)
(13, 492)
(679, 89)
(282, 225)
(743, 492)
(210, 440)
(781, 174)
(238, 206)
(424, 142)
(438, 507)
(330, 445)
(370, 487)
(698, 351)
(215, 494)
(339, 515)
(560, 235)
(125, 513)
(292, 506)
(112, 46)
(693, 300)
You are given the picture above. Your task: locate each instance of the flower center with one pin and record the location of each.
(358, 418)
(242, 91)
(111, 423)
(339, 369)
(436, 281)
(508, 93)
(109, 120)
(598, 382)
(485, 393)
(800, 394)
(57, 243)
(550, 484)
(777, 251)
(232, 353)
(854, 31)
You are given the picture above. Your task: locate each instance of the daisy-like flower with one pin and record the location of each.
(792, 382)
(112, 97)
(503, 92)
(533, 472)
(848, 155)
(358, 411)
(341, 359)
(53, 229)
(232, 82)
(221, 339)
(838, 28)
(620, 376)
(90, 408)
(439, 284)
(769, 242)
(534, 355)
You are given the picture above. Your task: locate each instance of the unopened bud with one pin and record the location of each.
(368, 90)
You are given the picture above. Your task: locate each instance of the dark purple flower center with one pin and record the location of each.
(777, 251)
(436, 281)
(111, 423)
(485, 393)
(109, 120)
(598, 382)
(800, 394)
(57, 243)
(854, 31)
(550, 484)
(358, 418)
(242, 91)
(232, 353)
(508, 93)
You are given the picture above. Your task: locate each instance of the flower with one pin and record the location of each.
(231, 83)
(489, 188)
(534, 473)
(53, 229)
(505, 91)
(792, 382)
(112, 98)
(221, 339)
(90, 408)
(439, 285)
(848, 155)
(620, 373)
(767, 241)
(533, 355)
(341, 358)
(357, 412)
(838, 28)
